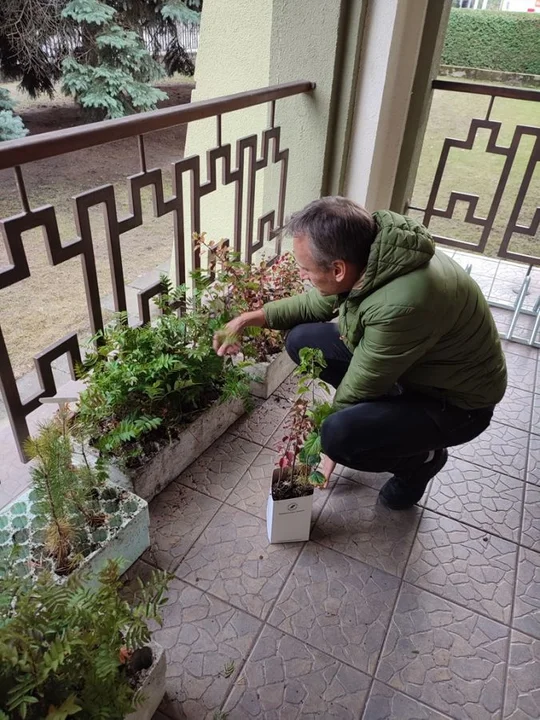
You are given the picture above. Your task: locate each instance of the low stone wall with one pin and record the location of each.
(487, 76)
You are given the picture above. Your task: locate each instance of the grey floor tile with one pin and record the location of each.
(500, 447)
(337, 604)
(178, 515)
(385, 703)
(261, 424)
(284, 679)
(533, 465)
(480, 497)
(445, 655)
(354, 523)
(523, 684)
(251, 493)
(514, 348)
(218, 470)
(233, 560)
(521, 371)
(372, 480)
(535, 422)
(530, 535)
(527, 602)
(464, 565)
(515, 408)
(206, 642)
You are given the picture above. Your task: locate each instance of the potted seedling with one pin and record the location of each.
(290, 502)
(67, 650)
(71, 517)
(157, 396)
(235, 287)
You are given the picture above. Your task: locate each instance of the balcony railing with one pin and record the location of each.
(478, 189)
(241, 170)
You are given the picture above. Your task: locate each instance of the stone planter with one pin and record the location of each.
(154, 476)
(267, 377)
(124, 537)
(152, 687)
(288, 520)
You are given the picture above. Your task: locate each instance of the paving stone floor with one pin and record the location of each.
(429, 614)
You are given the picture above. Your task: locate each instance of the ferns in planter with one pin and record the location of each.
(67, 650)
(145, 383)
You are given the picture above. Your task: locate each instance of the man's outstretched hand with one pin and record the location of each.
(227, 340)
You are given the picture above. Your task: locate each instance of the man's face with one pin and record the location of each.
(327, 280)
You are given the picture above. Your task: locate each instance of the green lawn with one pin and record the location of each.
(476, 171)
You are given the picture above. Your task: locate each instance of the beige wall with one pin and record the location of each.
(248, 44)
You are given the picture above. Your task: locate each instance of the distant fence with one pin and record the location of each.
(156, 42)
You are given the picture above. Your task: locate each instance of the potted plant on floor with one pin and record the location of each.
(290, 502)
(235, 287)
(157, 395)
(72, 651)
(71, 516)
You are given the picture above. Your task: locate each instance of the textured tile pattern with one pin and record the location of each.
(385, 703)
(465, 565)
(523, 686)
(219, 469)
(261, 424)
(527, 605)
(515, 409)
(445, 655)
(533, 467)
(501, 448)
(521, 371)
(285, 678)
(206, 642)
(353, 523)
(233, 560)
(178, 515)
(530, 536)
(337, 604)
(478, 496)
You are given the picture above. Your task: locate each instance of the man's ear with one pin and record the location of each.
(340, 270)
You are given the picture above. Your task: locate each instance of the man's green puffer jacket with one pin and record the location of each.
(415, 317)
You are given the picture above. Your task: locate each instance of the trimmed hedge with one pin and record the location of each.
(505, 41)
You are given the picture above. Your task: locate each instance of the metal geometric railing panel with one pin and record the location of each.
(509, 152)
(239, 169)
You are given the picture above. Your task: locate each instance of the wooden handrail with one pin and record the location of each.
(58, 142)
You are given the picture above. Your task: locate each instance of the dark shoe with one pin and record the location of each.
(402, 493)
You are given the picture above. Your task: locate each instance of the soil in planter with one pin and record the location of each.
(287, 485)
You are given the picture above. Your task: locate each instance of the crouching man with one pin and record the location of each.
(415, 356)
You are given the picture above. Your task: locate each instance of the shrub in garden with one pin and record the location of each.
(300, 449)
(66, 650)
(238, 287)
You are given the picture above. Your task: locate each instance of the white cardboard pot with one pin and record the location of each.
(288, 520)
(152, 687)
(268, 376)
(172, 459)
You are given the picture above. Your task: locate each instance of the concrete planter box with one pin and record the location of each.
(267, 377)
(150, 479)
(124, 537)
(288, 520)
(153, 686)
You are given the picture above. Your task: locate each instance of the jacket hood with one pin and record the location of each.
(401, 246)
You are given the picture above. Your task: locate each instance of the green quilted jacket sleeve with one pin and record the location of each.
(394, 338)
(308, 307)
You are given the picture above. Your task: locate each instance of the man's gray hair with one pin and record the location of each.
(337, 229)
